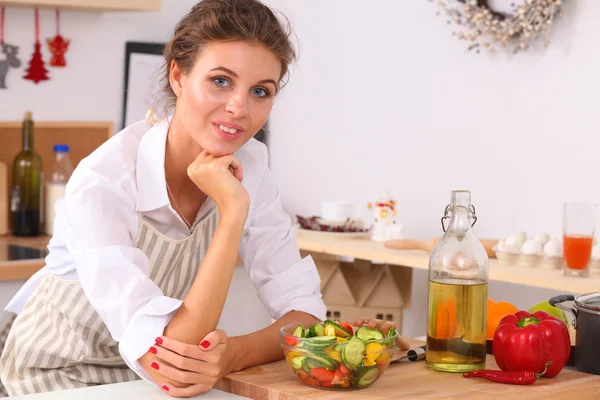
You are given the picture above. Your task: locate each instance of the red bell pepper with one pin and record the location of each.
(526, 342)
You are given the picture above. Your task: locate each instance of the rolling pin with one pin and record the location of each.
(429, 244)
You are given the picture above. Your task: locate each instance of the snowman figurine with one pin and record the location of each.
(384, 211)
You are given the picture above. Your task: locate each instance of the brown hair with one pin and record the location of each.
(225, 20)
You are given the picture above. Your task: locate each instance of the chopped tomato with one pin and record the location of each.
(322, 374)
(326, 384)
(291, 340)
(301, 374)
(346, 326)
(343, 371)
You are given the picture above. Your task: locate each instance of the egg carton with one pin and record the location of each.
(520, 259)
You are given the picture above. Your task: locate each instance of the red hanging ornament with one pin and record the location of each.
(10, 52)
(36, 71)
(58, 46)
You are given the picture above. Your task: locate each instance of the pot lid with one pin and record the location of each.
(589, 301)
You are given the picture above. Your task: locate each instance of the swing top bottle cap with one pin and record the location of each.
(28, 115)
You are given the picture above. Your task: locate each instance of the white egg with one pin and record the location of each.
(522, 238)
(512, 241)
(532, 247)
(553, 248)
(543, 238)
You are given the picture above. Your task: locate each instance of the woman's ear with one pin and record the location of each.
(175, 78)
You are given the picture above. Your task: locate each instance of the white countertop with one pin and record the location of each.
(135, 390)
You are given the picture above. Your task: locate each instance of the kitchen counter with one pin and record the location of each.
(366, 249)
(407, 380)
(25, 268)
(136, 390)
(410, 380)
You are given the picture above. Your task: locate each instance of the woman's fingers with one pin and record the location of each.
(182, 376)
(190, 350)
(185, 363)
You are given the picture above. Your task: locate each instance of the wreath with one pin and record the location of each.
(485, 27)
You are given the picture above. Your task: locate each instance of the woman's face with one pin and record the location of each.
(227, 96)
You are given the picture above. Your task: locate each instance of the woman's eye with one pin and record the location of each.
(221, 82)
(260, 92)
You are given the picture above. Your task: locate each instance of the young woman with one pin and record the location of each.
(147, 236)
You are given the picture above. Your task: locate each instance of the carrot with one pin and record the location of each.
(451, 318)
(441, 322)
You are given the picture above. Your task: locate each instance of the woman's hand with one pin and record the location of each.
(220, 179)
(385, 326)
(199, 366)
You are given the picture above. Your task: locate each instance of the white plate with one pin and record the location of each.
(339, 235)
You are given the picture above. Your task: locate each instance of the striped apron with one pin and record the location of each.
(58, 341)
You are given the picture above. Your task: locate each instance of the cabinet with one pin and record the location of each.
(87, 5)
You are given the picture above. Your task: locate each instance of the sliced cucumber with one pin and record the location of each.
(338, 347)
(298, 332)
(325, 362)
(368, 376)
(339, 331)
(319, 342)
(298, 362)
(316, 330)
(310, 363)
(353, 353)
(365, 333)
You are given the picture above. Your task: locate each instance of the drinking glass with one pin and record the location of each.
(579, 223)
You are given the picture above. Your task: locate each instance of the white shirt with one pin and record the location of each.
(97, 223)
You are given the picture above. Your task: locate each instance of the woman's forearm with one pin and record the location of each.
(202, 307)
(262, 346)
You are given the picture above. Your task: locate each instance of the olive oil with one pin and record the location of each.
(456, 328)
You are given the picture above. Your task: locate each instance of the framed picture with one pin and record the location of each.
(143, 62)
(143, 72)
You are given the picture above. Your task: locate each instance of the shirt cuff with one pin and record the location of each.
(143, 328)
(298, 284)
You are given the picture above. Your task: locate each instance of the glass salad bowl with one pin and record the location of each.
(335, 355)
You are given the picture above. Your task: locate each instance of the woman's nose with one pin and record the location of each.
(237, 105)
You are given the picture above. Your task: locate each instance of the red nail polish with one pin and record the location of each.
(165, 388)
(153, 350)
(154, 365)
(158, 340)
(205, 344)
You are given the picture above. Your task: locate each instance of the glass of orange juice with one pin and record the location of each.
(579, 223)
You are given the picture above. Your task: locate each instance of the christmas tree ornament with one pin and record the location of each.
(58, 46)
(36, 71)
(9, 51)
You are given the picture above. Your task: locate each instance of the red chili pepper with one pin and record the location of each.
(510, 377)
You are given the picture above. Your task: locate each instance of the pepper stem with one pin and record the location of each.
(523, 322)
(549, 363)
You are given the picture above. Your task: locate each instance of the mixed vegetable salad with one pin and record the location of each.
(332, 355)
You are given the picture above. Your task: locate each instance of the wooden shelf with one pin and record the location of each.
(365, 249)
(88, 5)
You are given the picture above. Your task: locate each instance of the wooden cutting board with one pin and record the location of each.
(428, 245)
(409, 380)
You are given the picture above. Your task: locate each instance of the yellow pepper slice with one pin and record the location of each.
(329, 330)
(372, 352)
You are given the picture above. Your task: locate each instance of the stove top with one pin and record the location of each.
(12, 252)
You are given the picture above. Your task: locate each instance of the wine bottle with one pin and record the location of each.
(27, 188)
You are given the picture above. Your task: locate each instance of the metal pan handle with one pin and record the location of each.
(557, 301)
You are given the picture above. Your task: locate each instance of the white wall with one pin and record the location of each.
(383, 97)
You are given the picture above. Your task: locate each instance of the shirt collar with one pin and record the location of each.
(150, 168)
